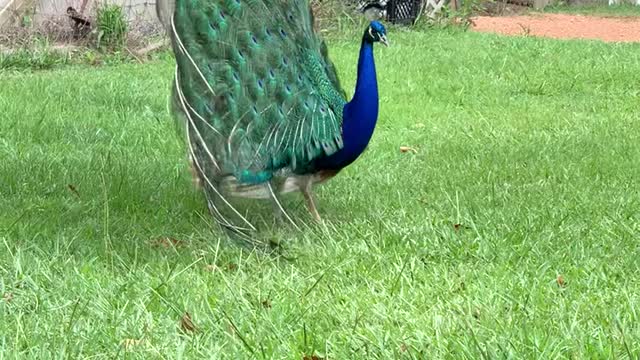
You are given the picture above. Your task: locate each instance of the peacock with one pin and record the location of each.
(260, 104)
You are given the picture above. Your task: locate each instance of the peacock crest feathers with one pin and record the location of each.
(256, 87)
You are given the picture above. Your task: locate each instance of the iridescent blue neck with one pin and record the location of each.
(360, 114)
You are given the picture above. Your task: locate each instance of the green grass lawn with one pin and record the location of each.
(527, 168)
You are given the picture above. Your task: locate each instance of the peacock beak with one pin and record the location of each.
(384, 40)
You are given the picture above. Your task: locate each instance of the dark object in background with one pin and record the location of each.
(403, 11)
(394, 11)
(81, 26)
(372, 9)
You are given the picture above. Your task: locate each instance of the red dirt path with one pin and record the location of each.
(562, 26)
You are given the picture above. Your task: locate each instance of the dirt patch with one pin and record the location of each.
(562, 26)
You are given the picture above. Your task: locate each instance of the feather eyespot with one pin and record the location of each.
(322, 110)
(236, 77)
(272, 74)
(260, 83)
(283, 33)
(285, 61)
(288, 88)
(255, 109)
(268, 32)
(240, 54)
(222, 14)
(253, 38)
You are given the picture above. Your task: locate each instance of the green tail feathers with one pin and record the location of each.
(255, 86)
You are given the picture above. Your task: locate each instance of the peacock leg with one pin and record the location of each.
(194, 174)
(277, 209)
(308, 196)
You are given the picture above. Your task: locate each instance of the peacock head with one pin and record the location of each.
(376, 32)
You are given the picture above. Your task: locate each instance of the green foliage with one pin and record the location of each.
(446, 18)
(39, 54)
(32, 58)
(44, 58)
(336, 20)
(112, 26)
(26, 20)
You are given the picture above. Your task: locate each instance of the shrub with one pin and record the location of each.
(112, 26)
